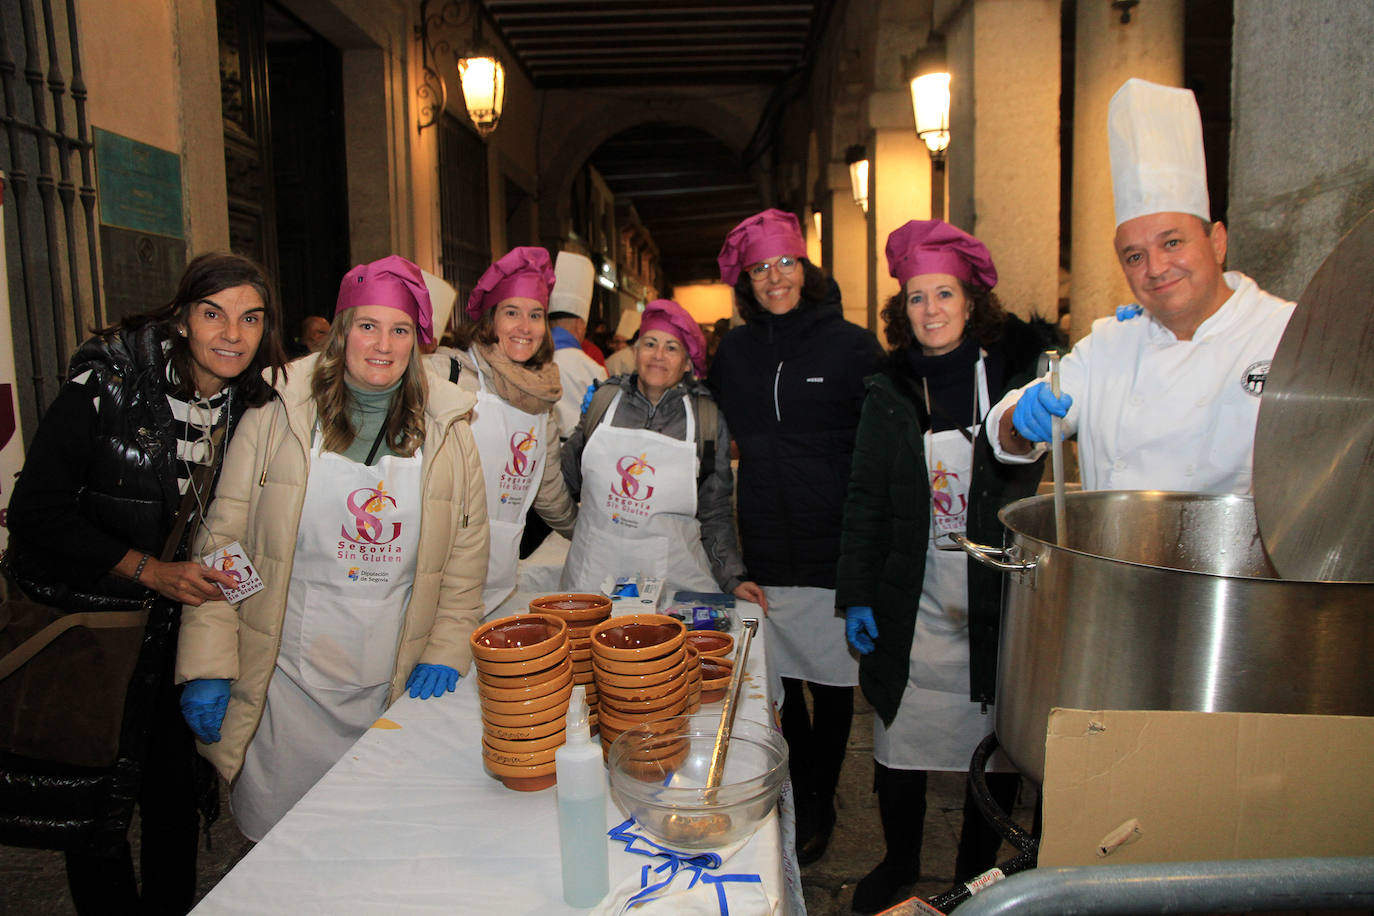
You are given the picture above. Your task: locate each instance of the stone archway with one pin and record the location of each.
(577, 123)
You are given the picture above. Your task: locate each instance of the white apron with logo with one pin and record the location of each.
(937, 727)
(639, 509)
(512, 446)
(350, 585)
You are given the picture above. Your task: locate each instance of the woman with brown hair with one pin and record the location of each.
(148, 408)
(790, 382)
(507, 364)
(353, 503)
(924, 619)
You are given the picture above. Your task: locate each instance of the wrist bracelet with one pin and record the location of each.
(138, 570)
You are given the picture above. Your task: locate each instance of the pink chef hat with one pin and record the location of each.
(526, 272)
(394, 283)
(765, 235)
(933, 246)
(667, 316)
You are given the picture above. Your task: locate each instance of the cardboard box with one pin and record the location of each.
(1131, 786)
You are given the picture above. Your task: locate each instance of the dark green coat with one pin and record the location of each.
(887, 519)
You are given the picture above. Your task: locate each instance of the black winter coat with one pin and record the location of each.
(887, 518)
(95, 483)
(791, 387)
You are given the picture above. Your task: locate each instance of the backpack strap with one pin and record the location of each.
(708, 422)
(602, 396)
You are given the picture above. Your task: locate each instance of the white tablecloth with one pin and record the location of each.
(409, 821)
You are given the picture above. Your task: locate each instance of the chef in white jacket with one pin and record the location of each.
(1164, 395)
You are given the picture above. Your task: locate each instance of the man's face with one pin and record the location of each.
(1174, 267)
(314, 333)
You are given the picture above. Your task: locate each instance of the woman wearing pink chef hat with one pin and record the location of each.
(356, 496)
(790, 381)
(506, 361)
(922, 617)
(651, 458)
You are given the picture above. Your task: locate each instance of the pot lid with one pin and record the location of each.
(1314, 440)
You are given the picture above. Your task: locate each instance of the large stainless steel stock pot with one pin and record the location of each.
(1164, 601)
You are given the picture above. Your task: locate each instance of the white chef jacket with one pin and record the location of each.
(577, 371)
(1153, 412)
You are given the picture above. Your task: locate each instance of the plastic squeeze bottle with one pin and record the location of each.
(581, 809)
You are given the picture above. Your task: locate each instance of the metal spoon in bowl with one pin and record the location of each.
(702, 825)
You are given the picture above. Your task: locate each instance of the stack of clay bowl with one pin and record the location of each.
(693, 678)
(640, 665)
(715, 678)
(581, 612)
(524, 680)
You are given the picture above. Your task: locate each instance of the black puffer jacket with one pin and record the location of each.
(791, 387)
(99, 482)
(96, 482)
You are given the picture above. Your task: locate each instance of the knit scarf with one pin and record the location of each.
(531, 390)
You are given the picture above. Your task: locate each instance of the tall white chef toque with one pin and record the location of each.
(572, 292)
(442, 297)
(1154, 134)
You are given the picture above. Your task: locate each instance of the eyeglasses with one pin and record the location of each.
(785, 264)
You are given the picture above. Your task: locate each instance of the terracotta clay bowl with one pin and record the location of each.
(555, 713)
(648, 693)
(528, 732)
(710, 643)
(638, 636)
(715, 670)
(645, 666)
(522, 779)
(553, 672)
(658, 769)
(616, 720)
(527, 666)
(580, 655)
(517, 758)
(714, 695)
(681, 668)
(577, 608)
(693, 701)
(518, 639)
(647, 710)
(529, 692)
(523, 745)
(537, 704)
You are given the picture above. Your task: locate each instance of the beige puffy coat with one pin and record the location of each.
(258, 502)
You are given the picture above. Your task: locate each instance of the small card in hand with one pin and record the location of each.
(233, 560)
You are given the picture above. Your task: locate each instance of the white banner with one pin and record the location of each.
(11, 438)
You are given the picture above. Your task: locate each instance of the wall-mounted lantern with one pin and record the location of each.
(930, 98)
(480, 71)
(856, 157)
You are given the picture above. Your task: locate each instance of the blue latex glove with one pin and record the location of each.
(203, 703)
(860, 628)
(1035, 412)
(587, 398)
(1127, 312)
(432, 681)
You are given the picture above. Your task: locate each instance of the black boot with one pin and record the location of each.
(813, 840)
(978, 839)
(902, 809)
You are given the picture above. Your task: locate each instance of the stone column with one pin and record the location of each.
(1302, 174)
(1109, 52)
(1014, 153)
(845, 237)
(899, 183)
